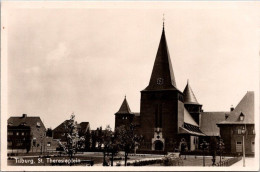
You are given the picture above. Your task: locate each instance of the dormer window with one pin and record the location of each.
(241, 117)
(38, 124)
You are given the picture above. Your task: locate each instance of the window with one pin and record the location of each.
(239, 131)
(253, 131)
(38, 124)
(10, 133)
(241, 117)
(34, 141)
(17, 133)
(22, 133)
(19, 144)
(48, 144)
(125, 117)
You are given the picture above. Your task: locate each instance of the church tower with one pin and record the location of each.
(191, 103)
(124, 116)
(162, 106)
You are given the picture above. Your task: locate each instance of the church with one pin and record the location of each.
(168, 117)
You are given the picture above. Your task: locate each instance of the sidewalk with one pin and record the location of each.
(122, 162)
(249, 162)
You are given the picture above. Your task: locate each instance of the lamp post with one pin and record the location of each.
(243, 133)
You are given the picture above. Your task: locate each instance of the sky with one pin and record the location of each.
(85, 59)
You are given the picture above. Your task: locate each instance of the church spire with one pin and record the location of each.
(162, 75)
(189, 96)
(163, 21)
(124, 109)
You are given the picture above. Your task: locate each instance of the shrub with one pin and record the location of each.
(171, 160)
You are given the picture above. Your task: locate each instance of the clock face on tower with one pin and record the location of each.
(159, 81)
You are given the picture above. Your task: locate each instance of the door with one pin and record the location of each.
(238, 146)
(158, 145)
(253, 146)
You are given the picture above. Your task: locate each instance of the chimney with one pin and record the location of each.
(232, 108)
(226, 115)
(24, 115)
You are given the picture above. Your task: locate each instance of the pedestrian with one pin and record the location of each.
(107, 161)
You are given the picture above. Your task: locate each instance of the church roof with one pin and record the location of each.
(245, 107)
(189, 96)
(188, 118)
(209, 121)
(124, 109)
(190, 129)
(189, 125)
(162, 75)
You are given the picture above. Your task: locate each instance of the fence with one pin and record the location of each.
(229, 162)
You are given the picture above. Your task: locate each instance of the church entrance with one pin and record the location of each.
(158, 145)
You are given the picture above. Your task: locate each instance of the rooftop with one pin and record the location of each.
(31, 121)
(245, 107)
(209, 121)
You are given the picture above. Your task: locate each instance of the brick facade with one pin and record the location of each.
(233, 138)
(34, 125)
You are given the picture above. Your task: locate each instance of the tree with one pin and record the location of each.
(87, 140)
(73, 142)
(213, 148)
(127, 139)
(93, 140)
(106, 140)
(220, 147)
(204, 146)
(98, 137)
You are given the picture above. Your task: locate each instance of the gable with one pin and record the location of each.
(245, 106)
